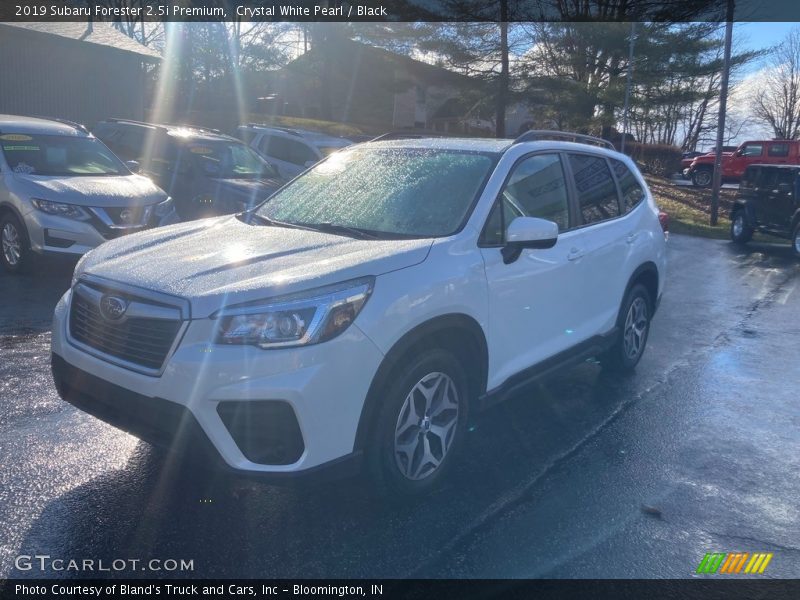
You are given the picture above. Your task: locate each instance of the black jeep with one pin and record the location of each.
(768, 201)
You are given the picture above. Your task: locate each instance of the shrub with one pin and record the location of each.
(655, 159)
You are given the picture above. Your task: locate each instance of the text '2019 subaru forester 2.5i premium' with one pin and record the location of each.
(359, 315)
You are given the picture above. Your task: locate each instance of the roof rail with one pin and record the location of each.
(288, 130)
(402, 135)
(567, 136)
(135, 122)
(76, 125)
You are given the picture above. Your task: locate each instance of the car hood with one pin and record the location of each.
(104, 191)
(223, 261)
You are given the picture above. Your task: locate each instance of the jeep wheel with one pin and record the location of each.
(796, 240)
(741, 232)
(634, 326)
(15, 253)
(421, 424)
(702, 177)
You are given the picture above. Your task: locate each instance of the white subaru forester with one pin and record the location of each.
(359, 315)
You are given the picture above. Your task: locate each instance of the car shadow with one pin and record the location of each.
(161, 506)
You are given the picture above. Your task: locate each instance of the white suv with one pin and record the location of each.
(363, 311)
(290, 151)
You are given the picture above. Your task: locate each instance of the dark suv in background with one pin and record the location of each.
(205, 172)
(768, 202)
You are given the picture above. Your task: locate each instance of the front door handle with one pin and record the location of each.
(574, 254)
(631, 238)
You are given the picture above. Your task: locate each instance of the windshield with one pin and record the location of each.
(59, 155)
(397, 191)
(229, 160)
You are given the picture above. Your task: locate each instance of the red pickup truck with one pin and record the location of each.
(769, 152)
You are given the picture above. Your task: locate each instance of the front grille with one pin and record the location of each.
(135, 339)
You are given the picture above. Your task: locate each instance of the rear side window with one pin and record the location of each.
(287, 150)
(779, 150)
(753, 150)
(632, 192)
(597, 192)
(246, 135)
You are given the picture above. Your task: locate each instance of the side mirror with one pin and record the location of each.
(528, 232)
(133, 166)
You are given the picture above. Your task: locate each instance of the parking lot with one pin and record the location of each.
(584, 475)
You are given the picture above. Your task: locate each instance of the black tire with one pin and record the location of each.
(741, 232)
(11, 230)
(618, 358)
(384, 461)
(702, 177)
(796, 240)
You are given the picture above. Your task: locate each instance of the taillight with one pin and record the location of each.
(663, 218)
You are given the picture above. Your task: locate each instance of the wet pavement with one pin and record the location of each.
(584, 475)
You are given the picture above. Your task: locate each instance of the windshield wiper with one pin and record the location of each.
(355, 232)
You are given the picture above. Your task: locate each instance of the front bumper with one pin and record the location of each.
(324, 385)
(60, 235)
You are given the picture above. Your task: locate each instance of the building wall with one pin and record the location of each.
(46, 76)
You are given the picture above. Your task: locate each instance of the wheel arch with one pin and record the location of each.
(647, 275)
(458, 333)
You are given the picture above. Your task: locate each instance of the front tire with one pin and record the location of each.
(634, 325)
(741, 232)
(796, 240)
(702, 177)
(15, 250)
(421, 425)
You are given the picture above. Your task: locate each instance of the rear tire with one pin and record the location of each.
(421, 425)
(796, 240)
(702, 177)
(15, 249)
(741, 232)
(634, 327)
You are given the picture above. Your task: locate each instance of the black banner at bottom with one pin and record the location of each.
(584, 589)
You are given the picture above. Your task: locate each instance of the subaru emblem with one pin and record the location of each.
(113, 307)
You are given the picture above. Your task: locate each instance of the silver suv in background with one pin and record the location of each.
(291, 151)
(62, 191)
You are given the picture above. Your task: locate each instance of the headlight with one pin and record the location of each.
(71, 211)
(298, 320)
(163, 208)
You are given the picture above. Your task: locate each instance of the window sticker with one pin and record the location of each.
(23, 169)
(15, 137)
(201, 150)
(21, 148)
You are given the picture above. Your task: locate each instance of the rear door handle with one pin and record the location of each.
(575, 254)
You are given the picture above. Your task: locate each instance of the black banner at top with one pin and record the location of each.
(396, 10)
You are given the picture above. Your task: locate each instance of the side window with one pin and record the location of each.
(753, 150)
(286, 150)
(778, 150)
(536, 188)
(786, 177)
(246, 135)
(632, 192)
(597, 192)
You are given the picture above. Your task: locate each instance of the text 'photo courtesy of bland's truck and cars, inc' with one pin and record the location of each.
(176, 11)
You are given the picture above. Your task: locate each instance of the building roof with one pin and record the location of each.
(100, 34)
(346, 50)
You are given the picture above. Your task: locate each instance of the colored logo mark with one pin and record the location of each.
(733, 563)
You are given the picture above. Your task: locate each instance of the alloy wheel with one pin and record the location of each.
(797, 240)
(703, 178)
(12, 246)
(635, 328)
(738, 226)
(426, 426)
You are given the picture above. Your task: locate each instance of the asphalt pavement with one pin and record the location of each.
(583, 475)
